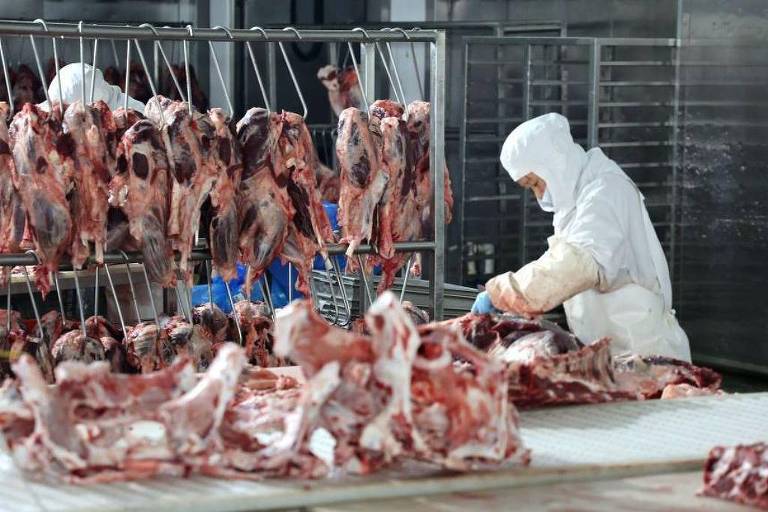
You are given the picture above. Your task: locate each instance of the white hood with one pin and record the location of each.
(71, 80)
(544, 145)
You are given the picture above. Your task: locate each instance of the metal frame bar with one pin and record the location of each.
(597, 90)
(437, 42)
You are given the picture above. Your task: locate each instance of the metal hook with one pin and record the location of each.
(165, 58)
(218, 69)
(127, 73)
(365, 279)
(79, 301)
(290, 71)
(34, 303)
(130, 284)
(55, 63)
(405, 278)
(386, 70)
(343, 289)
(117, 301)
(357, 72)
(394, 67)
(256, 68)
(114, 54)
(7, 81)
(266, 294)
(93, 68)
(40, 69)
(151, 297)
(413, 54)
(58, 293)
(185, 45)
(8, 306)
(96, 291)
(146, 68)
(82, 63)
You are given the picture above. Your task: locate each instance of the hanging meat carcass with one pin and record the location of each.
(225, 228)
(343, 88)
(189, 137)
(310, 228)
(141, 190)
(363, 178)
(11, 211)
(264, 206)
(43, 173)
(92, 129)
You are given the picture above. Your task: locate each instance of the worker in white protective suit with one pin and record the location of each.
(604, 263)
(71, 88)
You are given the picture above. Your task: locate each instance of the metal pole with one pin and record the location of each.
(272, 70)
(594, 94)
(368, 56)
(437, 167)
(527, 77)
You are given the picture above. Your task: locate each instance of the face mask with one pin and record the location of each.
(545, 203)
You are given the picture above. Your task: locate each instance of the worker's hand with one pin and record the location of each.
(483, 304)
(505, 294)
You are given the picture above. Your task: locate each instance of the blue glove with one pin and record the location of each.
(483, 304)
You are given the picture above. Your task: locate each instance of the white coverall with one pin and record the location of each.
(605, 263)
(71, 88)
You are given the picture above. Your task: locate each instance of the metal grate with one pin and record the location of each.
(620, 94)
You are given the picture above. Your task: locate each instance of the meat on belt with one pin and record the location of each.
(83, 180)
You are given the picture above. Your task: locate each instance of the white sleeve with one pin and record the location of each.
(560, 273)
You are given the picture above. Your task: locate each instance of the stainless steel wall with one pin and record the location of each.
(721, 280)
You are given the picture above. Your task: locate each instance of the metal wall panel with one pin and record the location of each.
(723, 230)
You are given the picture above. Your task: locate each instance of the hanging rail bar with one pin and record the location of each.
(14, 259)
(70, 30)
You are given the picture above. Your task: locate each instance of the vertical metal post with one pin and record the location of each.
(525, 114)
(463, 128)
(368, 56)
(674, 222)
(437, 167)
(594, 94)
(272, 71)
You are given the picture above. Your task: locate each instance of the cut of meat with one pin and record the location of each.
(190, 340)
(141, 189)
(738, 474)
(549, 366)
(92, 130)
(75, 346)
(43, 173)
(213, 320)
(455, 416)
(363, 178)
(264, 208)
(256, 326)
(224, 229)
(147, 348)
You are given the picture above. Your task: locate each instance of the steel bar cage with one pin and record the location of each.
(602, 86)
(437, 46)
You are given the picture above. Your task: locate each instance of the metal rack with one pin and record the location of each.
(368, 40)
(618, 93)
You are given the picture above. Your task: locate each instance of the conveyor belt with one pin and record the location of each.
(568, 444)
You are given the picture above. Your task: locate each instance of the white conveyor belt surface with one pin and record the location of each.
(568, 443)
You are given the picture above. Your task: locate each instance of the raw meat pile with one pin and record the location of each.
(549, 366)
(145, 347)
(738, 474)
(369, 401)
(386, 193)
